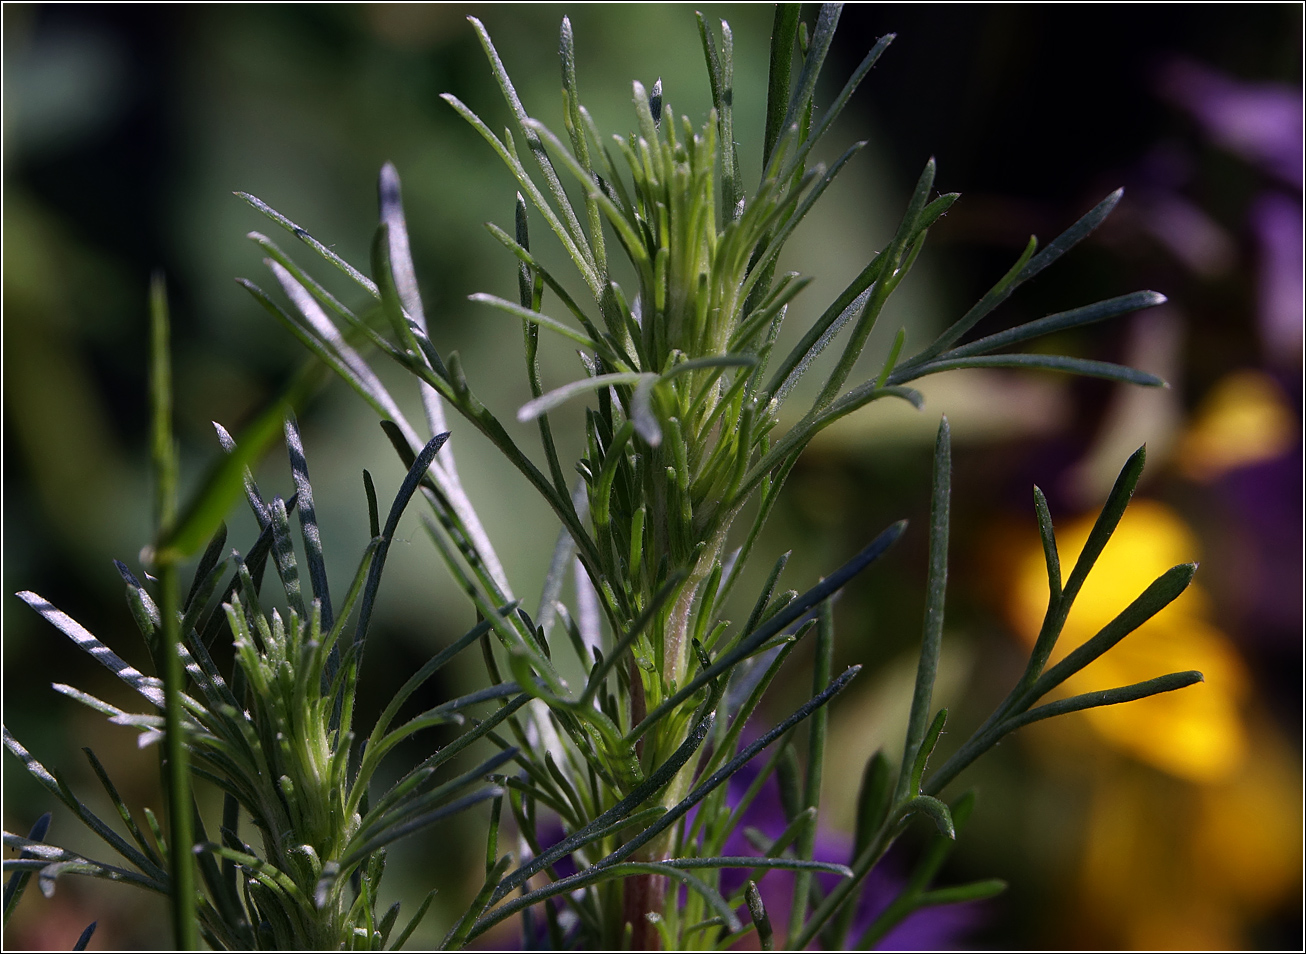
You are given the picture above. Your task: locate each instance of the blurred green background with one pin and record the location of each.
(128, 128)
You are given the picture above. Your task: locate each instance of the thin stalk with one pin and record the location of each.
(936, 588)
(819, 729)
(180, 839)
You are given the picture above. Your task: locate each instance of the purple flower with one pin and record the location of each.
(940, 928)
(1262, 122)
(1276, 223)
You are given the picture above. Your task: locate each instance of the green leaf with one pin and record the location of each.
(547, 402)
(1043, 362)
(432, 666)
(17, 882)
(703, 789)
(1026, 268)
(206, 572)
(1106, 697)
(762, 923)
(656, 781)
(1062, 321)
(312, 243)
(576, 131)
(458, 933)
(147, 686)
(994, 731)
(308, 522)
(386, 832)
(225, 479)
(576, 249)
(974, 891)
(813, 351)
(751, 861)
(85, 937)
(873, 799)
(596, 875)
(922, 755)
(1048, 536)
(416, 920)
(272, 251)
(832, 112)
(409, 487)
(805, 87)
(783, 33)
(936, 810)
(123, 812)
(909, 233)
(920, 740)
(544, 321)
(720, 71)
(587, 264)
(1112, 511)
(1160, 594)
(388, 922)
(789, 777)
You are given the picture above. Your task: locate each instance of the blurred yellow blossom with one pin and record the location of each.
(1169, 865)
(1245, 419)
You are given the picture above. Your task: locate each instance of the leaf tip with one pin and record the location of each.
(388, 194)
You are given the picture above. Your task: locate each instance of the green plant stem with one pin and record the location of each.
(181, 861)
(180, 837)
(820, 724)
(843, 891)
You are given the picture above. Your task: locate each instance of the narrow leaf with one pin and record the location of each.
(547, 402)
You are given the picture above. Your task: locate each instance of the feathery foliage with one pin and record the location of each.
(683, 437)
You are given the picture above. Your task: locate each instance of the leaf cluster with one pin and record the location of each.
(276, 737)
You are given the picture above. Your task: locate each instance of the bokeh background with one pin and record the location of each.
(1175, 824)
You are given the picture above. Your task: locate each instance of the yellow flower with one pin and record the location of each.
(1244, 420)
